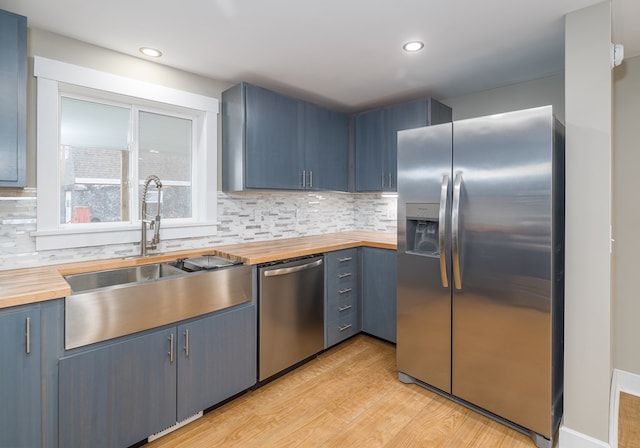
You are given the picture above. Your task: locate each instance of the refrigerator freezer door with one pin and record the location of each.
(424, 304)
(501, 354)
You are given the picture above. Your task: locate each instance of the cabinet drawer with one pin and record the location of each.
(342, 329)
(342, 293)
(342, 260)
(342, 307)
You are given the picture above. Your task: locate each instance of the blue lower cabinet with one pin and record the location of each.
(217, 359)
(121, 393)
(342, 298)
(379, 274)
(20, 393)
(117, 395)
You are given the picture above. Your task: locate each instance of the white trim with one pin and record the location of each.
(622, 381)
(570, 438)
(127, 234)
(95, 79)
(50, 234)
(47, 155)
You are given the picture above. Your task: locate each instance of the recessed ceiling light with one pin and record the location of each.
(413, 46)
(151, 52)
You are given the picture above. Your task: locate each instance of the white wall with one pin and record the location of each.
(626, 215)
(588, 102)
(539, 92)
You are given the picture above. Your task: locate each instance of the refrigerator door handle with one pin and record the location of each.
(442, 231)
(455, 231)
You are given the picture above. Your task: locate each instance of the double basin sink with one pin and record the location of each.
(107, 304)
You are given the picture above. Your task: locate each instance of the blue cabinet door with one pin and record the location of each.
(87, 401)
(398, 118)
(326, 144)
(119, 394)
(20, 398)
(274, 152)
(218, 360)
(379, 274)
(13, 99)
(370, 151)
(145, 385)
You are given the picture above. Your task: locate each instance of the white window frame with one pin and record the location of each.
(50, 234)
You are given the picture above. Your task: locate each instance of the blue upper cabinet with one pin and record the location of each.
(274, 157)
(376, 144)
(371, 170)
(326, 149)
(272, 141)
(13, 100)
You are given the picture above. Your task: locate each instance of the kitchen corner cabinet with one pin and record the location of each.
(13, 104)
(342, 298)
(379, 274)
(120, 393)
(376, 140)
(272, 141)
(20, 393)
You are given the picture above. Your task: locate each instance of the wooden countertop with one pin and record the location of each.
(31, 285)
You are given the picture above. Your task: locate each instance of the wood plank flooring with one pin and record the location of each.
(629, 421)
(349, 396)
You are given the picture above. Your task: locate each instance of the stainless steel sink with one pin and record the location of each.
(114, 277)
(118, 302)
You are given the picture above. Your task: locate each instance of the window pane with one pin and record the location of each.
(94, 169)
(165, 150)
(85, 124)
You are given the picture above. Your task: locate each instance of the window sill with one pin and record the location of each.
(118, 234)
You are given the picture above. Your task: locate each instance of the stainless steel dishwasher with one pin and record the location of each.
(291, 314)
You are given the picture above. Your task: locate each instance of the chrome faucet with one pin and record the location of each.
(154, 224)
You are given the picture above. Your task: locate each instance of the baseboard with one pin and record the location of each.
(573, 439)
(622, 381)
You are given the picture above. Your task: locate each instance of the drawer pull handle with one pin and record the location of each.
(344, 308)
(28, 335)
(344, 291)
(345, 275)
(346, 327)
(171, 348)
(342, 260)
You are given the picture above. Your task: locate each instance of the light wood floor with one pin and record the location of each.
(349, 396)
(629, 421)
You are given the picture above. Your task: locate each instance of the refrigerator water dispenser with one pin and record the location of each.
(422, 229)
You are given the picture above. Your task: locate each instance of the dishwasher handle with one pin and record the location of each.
(291, 270)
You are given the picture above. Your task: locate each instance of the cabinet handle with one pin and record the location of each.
(345, 275)
(186, 343)
(346, 327)
(304, 179)
(310, 179)
(28, 335)
(344, 308)
(390, 180)
(342, 260)
(344, 291)
(171, 348)
(382, 180)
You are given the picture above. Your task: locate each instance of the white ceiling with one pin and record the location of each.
(342, 53)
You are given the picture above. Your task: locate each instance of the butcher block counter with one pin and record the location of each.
(24, 286)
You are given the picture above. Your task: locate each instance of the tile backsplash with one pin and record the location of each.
(243, 217)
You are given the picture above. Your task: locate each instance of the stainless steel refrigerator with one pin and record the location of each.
(481, 265)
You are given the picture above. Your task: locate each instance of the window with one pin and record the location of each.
(105, 135)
